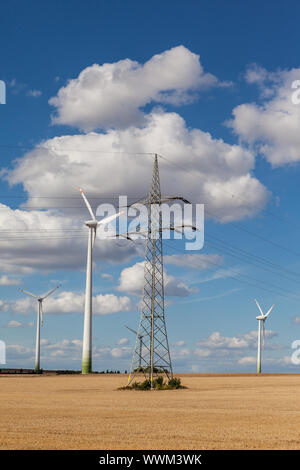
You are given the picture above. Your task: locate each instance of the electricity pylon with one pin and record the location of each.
(154, 355)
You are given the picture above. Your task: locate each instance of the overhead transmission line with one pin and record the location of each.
(277, 289)
(109, 197)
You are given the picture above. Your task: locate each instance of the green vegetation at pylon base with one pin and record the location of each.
(38, 371)
(158, 384)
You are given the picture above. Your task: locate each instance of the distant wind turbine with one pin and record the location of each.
(38, 323)
(261, 318)
(87, 328)
(140, 338)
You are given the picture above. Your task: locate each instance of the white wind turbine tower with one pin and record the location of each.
(87, 328)
(261, 318)
(38, 323)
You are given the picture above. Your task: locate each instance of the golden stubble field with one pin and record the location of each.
(88, 412)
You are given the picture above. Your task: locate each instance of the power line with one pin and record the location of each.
(222, 250)
(231, 194)
(259, 286)
(22, 147)
(255, 257)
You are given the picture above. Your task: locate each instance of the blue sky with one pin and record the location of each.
(218, 103)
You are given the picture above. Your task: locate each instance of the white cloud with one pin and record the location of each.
(9, 281)
(123, 341)
(256, 74)
(34, 93)
(131, 281)
(180, 353)
(215, 340)
(120, 352)
(203, 352)
(107, 276)
(217, 174)
(272, 128)
(247, 360)
(17, 324)
(16, 351)
(112, 95)
(179, 343)
(49, 241)
(239, 342)
(14, 324)
(69, 344)
(71, 302)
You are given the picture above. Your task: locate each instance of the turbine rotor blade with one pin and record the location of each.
(109, 218)
(87, 204)
(29, 293)
(264, 332)
(269, 311)
(259, 307)
(175, 198)
(130, 329)
(51, 292)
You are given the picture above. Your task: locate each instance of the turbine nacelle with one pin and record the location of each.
(91, 223)
(262, 317)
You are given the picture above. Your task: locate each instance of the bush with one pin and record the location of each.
(175, 383)
(158, 384)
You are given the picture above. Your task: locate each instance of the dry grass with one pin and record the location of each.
(88, 412)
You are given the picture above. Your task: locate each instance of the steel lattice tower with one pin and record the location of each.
(151, 354)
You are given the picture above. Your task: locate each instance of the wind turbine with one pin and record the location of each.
(261, 318)
(140, 337)
(38, 323)
(87, 328)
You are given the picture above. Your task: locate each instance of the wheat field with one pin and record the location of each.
(89, 412)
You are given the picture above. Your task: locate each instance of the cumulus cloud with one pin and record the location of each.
(123, 341)
(121, 352)
(215, 173)
(271, 128)
(112, 95)
(180, 353)
(215, 340)
(71, 302)
(17, 324)
(251, 360)
(48, 240)
(239, 342)
(131, 281)
(17, 351)
(107, 96)
(247, 360)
